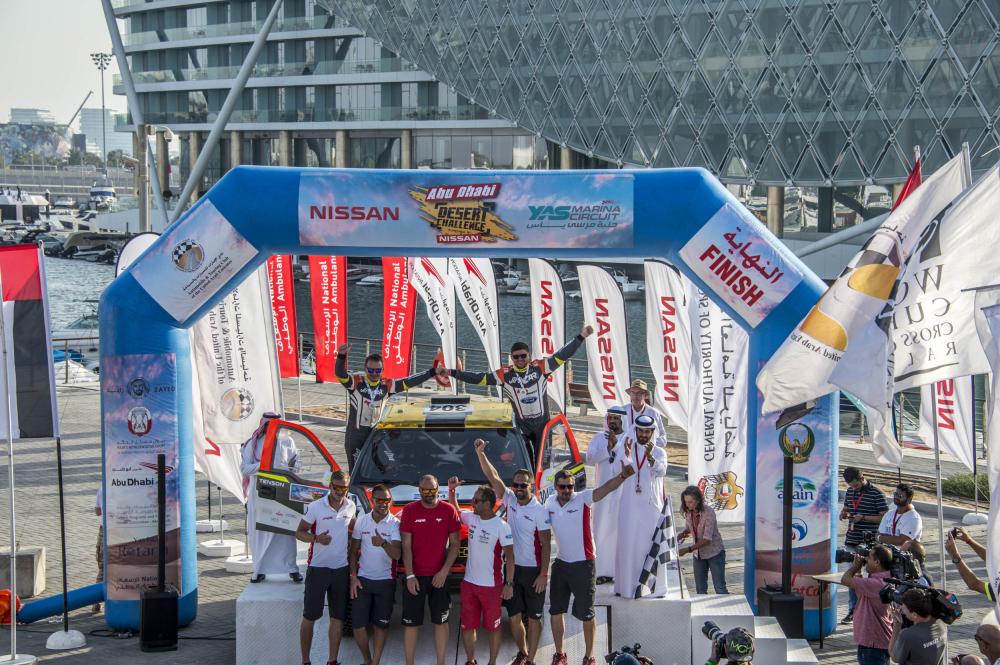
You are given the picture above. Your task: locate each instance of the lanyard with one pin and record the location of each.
(857, 502)
(895, 521)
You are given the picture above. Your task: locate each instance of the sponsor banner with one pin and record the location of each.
(739, 261)
(328, 285)
(477, 291)
(193, 260)
(717, 441)
(809, 441)
(236, 371)
(139, 400)
(428, 209)
(398, 309)
(433, 283)
(668, 339)
(988, 326)
(286, 335)
(607, 349)
(954, 418)
(548, 322)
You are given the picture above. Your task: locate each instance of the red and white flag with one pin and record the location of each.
(607, 349)
(433, 283)
(329, 311)
(548, 322)
(954, 418)
(286, 333)
(477, 292)
(398, 312)
(668, 339)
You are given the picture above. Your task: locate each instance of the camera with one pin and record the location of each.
(904, 566)
(736, 646)
(944, 606)
(627, 656)
(954, 533)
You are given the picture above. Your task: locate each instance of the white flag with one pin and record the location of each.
(235, 367)
(477, 291)
(607, 348)
(668, 339)
(988, 325)
(548, 322)
(843, 342)
(431, 280)
(717, 426)
(954, 418)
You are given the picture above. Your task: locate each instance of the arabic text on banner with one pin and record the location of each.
(433, 283)
(548, 322)
(398, 311)
(328, 286)
(477, 292)
(607, 349)
(286, 335)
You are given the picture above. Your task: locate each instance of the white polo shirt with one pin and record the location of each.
(904, 524)
(525, 523)
(487, 538)
(572, 526)
(324, 519)
(374, 563)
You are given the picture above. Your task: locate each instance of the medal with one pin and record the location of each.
(638, 490)
(640, 462)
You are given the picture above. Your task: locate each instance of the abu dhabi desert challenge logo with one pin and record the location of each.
(463, 213)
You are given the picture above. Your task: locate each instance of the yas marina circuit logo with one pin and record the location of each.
(721, 491)
(463, 213)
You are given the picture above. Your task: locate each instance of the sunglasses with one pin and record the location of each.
(981, 640)
(520, 486)
(383, 502)
(565, 487)
(338, 489)
(432, 492)
(519, 356)
(373, 370)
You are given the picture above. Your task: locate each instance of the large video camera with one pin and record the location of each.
(944, 605)
(627, 656)
(904, 566)
(736, 646)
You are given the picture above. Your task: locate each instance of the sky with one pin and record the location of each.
(47, 56)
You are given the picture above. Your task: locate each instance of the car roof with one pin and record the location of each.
(424, 410)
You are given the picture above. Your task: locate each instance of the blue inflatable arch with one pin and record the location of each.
(684, 216)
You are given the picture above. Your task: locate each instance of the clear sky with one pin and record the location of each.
(46, 49)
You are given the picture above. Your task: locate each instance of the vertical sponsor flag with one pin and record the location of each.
(988, 327)
(717, 424)
(847, 334)
(668, 339)
(398, 309)
(286, 334)
(237, 379)
(953, 418)
(328, 287)
(477, 291)
(31, 392)
(607, 349)
(548, 322)
(433, 283)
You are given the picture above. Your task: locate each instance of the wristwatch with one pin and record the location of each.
(956, 560)
(509, 585)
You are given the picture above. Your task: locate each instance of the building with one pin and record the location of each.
(90, 126)
(32, 117)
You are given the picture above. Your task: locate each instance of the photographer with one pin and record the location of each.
(902, 523)
(864, 506)
(872, 621)
(971, 580)
(923, 642)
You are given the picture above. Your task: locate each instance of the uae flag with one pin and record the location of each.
(28, 383)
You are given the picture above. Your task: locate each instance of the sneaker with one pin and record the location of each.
(520, 659)
(589, 661)
(257, 579)
(560, 659)
(849, 619)
(297, 578)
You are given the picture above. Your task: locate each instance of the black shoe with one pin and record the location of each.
(296, 577)
(256, 579)
(849, 619)
(604, 579)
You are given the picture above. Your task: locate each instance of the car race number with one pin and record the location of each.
(448, 409)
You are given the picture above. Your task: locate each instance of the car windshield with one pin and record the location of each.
(402, 456)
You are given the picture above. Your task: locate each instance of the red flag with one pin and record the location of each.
(912, 182)
(286, 334)
(329, 311)
(399, 306)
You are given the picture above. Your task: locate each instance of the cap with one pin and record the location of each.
(616, 411)
(638, 384)
(645, 422)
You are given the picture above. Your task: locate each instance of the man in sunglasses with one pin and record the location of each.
(366, 392)
(375, 547)
(325, 527)
(988, 640)
(573, 571)
(601, 454)
(431, 534)
(902, 523)
(524, 383)
(529, 522)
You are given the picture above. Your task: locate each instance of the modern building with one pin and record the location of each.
(32, 117)
(90, 125)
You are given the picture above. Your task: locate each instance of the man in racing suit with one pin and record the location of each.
(366, 392)
(524, 383)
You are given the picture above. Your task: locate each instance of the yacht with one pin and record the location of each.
(507, 278)
(102, 195)
(374, 279)
(79, 339)
(83, 244)
(17, 207)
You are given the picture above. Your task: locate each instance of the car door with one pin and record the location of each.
(558, 451)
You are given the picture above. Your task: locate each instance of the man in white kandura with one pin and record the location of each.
(640, 505)
(272, 552)
(600, 453)
(638, 394)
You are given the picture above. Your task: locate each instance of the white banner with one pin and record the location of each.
(548, 322)
(607, 348)
(236, 370)
(668, 339)
(956, 433)
(432, 282)
(477, 291)
(988, 326)
(717, 440)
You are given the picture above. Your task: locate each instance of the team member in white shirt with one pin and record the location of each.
(601, 454)
(902, 523)
(529, 524)
(638, 394)
(375, 545)
(325, 527)
(573, 571)
(491, 546)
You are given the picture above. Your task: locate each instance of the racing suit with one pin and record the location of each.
(525, 388)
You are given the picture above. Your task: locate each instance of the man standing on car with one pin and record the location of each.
(601, 454)
(524, 383)
(375, 547)
(365, 393)
(573, 571)
(864, 506)
(325, 527)
(431, 534)
(529, 523)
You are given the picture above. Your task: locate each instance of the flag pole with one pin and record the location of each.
(937, 475)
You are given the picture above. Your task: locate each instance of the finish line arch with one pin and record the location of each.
(684, 216)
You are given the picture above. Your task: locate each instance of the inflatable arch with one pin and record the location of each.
(684, 216)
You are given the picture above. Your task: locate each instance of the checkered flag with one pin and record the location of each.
(662, 552)
(181, 249)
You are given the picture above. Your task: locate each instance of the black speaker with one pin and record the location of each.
(158, 619)
(787, 608)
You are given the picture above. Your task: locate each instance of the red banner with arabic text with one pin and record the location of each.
(286, 334)
(328, 285)
(398, 310)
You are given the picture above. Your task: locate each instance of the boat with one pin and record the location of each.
(17, 207)
(631, 289)
(80, 244)
(64, 203)
(103, 196)
(79, 337)
(371, 280)
(507, 278)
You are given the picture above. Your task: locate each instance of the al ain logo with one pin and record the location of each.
(461, 213)
(721, 491)
(797, 441)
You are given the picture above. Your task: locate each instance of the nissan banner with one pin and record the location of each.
(548, 322)
(607, 349)
(668, 339)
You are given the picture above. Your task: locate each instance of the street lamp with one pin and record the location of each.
(102, 60)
